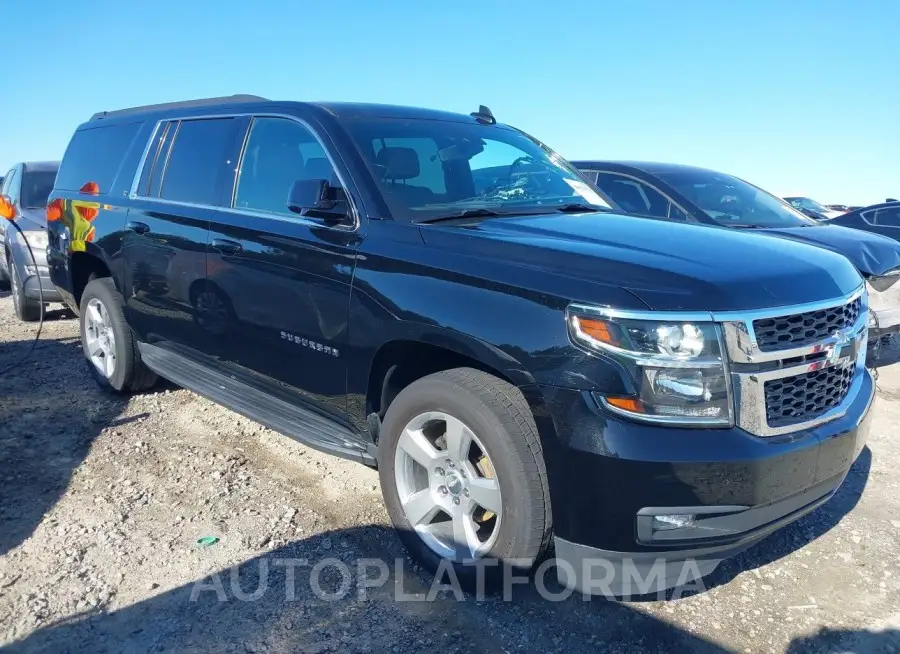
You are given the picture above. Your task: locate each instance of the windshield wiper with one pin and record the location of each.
(742, 226)
(579, 207)
(466, 213)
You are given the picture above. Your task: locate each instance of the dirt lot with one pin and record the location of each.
(102, 500)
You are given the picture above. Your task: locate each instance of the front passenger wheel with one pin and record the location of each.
(462, 473)
(108, 343)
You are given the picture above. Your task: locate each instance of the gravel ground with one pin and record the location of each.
(102, 500)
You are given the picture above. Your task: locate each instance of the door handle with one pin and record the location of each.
(136, 227)
(227, 246)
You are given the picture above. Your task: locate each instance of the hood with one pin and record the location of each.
(669, 266)
(31, 219)
(872, 254)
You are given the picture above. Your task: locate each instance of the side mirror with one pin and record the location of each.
(7, 208)
(313, 197)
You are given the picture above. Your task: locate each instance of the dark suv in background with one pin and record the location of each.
(445, 298)
(706, 197)
(25, 190)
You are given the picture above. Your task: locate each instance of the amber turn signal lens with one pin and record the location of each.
(626, 404)
(7, 210)
(597, 329)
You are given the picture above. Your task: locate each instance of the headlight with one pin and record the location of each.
(677, 367)
(36, 239)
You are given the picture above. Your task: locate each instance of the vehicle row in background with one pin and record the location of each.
(689, 194)
(813, 209)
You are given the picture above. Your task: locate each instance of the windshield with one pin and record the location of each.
(733, 202)
(427, 169)
(36, 187)
(807, 203)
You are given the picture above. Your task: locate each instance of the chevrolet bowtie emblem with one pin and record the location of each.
(843, 337)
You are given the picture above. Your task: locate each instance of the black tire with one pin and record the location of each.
(27, 309)
(130, 374)
(4, 281)
(499, 415)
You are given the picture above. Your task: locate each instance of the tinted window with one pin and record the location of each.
(8, 181)
(591, 175)
(151, 173)
(636, 196)
(428, 169)
(195, 161)
(278, 153)
(36, 187)
(95, 155)
(889, 217)
(431, 172)
(732, 201)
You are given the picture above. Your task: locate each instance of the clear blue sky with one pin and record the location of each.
(797, 96)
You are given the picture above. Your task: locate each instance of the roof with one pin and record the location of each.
(337, 109)
(652, 167)
(41, 165)
(880, 205)
(373, 110)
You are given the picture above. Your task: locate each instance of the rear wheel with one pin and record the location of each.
(462, 473)
(108, 343)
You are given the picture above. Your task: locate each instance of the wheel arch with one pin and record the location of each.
(399, 362)
(86, 265)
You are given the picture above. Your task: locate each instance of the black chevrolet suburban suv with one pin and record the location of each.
(446, 299)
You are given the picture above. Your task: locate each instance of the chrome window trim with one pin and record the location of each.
(136, 180)
(354, 212)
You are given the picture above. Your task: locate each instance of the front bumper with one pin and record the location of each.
(609, 476)
(883, 322)
(39, 287)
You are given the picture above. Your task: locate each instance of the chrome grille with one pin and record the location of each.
(800, 329)
(800, 398)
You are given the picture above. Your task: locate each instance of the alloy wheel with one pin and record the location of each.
(100, 338)
(448, 487)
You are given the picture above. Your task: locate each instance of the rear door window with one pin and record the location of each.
(195, 161)
(95, 154)
(889, 217)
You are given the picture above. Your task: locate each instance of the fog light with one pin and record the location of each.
(673, 521)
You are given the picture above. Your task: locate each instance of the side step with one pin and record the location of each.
(303, 425)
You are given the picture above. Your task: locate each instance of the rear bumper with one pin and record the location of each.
(60, 274)
(609, 477)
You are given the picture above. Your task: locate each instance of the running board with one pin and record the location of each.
(303, 425)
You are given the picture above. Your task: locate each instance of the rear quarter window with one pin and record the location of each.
(95, 154)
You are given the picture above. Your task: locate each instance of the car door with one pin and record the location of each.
(167, 227)
(280, 282)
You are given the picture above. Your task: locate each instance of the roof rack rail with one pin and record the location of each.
(187, 104)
